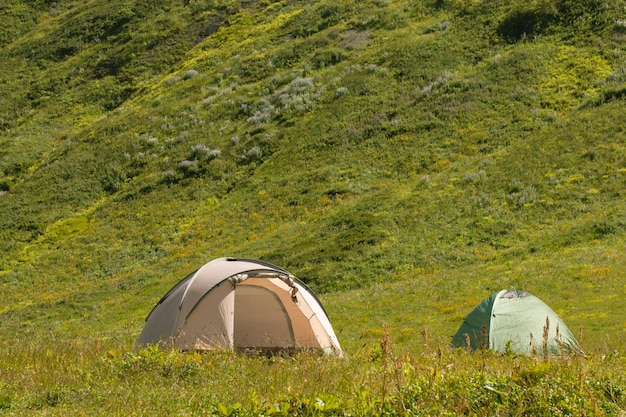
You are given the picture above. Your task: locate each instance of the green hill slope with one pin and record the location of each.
(452, 148)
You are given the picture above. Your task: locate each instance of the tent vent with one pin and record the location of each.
(514, 294)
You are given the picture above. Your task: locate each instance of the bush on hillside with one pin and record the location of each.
(573, 18)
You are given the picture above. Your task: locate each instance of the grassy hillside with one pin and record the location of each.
(405, 159)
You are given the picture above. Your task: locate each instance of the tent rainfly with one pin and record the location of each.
(516, 321)
(243, 305)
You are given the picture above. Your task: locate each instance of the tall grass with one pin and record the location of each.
(109, 378)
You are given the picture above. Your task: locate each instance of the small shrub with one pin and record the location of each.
(262, 112)
(169, 175)
(253, 154)
(473, 177)
(201, 151)
(341, 91)
(213, 153)
(437, 27)
(620, 26)
(328, 57)
(191, 73)
(519, 194)
(172, 80)
(188, 168)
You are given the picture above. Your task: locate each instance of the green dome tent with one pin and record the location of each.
(516, 321)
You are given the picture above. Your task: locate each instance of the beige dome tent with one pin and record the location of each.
(243, 305)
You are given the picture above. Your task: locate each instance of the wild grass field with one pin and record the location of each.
(405, 159)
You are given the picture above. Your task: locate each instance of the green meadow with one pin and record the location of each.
(406, 159)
